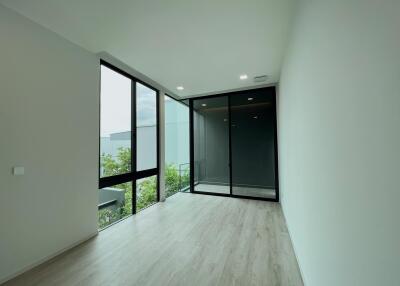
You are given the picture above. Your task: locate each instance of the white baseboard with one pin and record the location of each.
(47, 258)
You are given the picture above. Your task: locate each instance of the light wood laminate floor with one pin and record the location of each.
(188, 240)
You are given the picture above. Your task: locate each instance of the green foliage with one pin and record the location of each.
(120, 166)
(146, 188)
(146, 192)
(172, 182)
(107, 216)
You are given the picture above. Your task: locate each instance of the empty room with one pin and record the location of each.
(215, 142)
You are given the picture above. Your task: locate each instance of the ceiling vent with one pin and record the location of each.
(260, 78)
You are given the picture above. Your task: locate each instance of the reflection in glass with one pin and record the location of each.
(211, 145)
(115, 123)
(146, 122)
(146, 192)
(115, 203)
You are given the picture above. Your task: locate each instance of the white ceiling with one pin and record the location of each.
(202, 45)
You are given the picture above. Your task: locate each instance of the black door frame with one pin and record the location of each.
(191, 144)
(133, 175)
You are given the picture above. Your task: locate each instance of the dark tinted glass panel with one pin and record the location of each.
(253, 139)
(211, 145)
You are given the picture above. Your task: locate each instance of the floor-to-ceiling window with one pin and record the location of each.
(128, 175)
(233, 144)
(177, 162)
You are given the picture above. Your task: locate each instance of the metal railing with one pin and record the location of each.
(180, 170)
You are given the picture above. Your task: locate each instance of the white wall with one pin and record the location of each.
(339, 137)
(48, 124)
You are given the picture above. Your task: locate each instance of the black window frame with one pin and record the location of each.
(133, 175)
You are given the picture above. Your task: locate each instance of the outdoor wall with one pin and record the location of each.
(339, 140)
(48, 124)
(176, 133)
(146, 146)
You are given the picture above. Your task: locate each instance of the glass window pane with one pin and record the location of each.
(253, 144)
(177, 162)
(146, 192)
(115, 203)
(115, 123)
(211, 145)
(146, 122)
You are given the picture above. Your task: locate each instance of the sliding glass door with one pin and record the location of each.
(211, 145)
(233, 144)
(253, 144)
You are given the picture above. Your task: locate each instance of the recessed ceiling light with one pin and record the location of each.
(243, 76)
(204, 104)
(180, 87)
(255, 117)
(250, 99)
